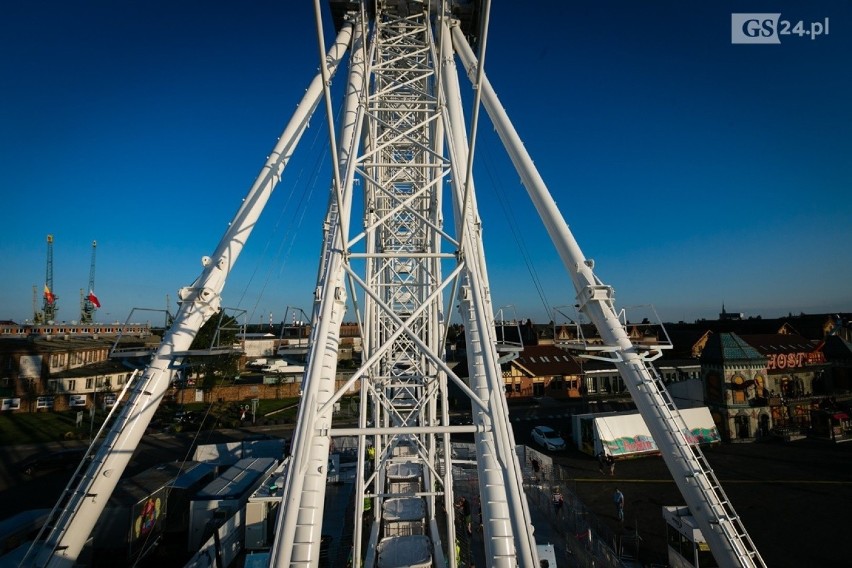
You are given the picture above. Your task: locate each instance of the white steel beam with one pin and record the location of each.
(299, 525)
(199, 302)
(729, 543)
(508, 531)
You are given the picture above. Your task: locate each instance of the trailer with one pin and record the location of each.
(624, 434)
(133, 520)
(224, 496)
(687, 547)
(262, 508)
(195, 476)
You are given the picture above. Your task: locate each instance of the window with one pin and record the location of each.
(89, 384)
(44, 402)
(72, 385)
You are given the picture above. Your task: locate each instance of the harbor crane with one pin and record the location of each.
(89, 302)
(402, 163)
(49, 305)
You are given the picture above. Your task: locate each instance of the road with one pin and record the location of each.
(793, 498)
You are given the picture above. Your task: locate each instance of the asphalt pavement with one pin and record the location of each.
(793, 498)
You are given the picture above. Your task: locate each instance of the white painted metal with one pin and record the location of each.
(403, 106)
(508, 531)
(199, 302)
(300, 517)
(394, 268)
(721, 526)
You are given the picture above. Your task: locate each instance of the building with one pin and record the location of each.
(542, 370)
(734, 375)
(758, 376)
(257, 345)
(60, 367)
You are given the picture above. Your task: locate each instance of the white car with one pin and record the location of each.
(548, 438)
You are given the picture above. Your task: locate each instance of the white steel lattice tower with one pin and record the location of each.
(399, 268)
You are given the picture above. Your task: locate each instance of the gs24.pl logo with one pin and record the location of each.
(769, 28)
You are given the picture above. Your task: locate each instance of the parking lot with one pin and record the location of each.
(793, 498)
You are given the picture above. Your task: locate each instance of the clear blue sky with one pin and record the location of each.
(694, 172)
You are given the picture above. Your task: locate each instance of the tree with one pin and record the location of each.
(219, 332)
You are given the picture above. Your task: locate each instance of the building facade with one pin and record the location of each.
(735, 378)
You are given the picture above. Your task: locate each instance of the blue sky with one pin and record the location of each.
(695, 172)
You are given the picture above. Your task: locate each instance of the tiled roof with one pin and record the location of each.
(780, 343)
(543, 360)
(810, 326)
(722, 347)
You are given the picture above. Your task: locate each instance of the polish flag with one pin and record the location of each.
(94, 299)
(48, 295)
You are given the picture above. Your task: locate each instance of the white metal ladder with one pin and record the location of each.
(727, 520)
(78, 488)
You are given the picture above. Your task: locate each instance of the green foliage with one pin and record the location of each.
(219, 331)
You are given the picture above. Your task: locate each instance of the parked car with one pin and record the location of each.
(548, 438)
(52, 461)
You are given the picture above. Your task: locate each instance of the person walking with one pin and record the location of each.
(558, 501)
(601, 462)
(464, 508)
(371, 459)
(536, 467)
(610, 464)
(618, 499)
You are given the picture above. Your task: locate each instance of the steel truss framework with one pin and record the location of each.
(402, 137)
(408, 116)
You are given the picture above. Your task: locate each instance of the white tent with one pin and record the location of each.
(624, 434)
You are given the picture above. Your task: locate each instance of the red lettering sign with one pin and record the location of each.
(793, 360)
